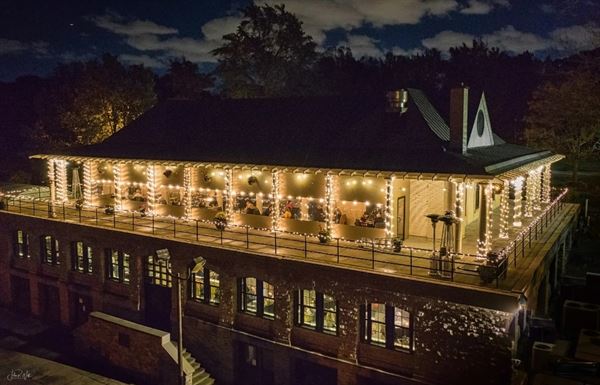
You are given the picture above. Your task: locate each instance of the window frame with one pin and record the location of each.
(123, 271)
(260, 287)
(22, 249)
(390, 326)
(82, 263)
(319, 309)
(157, 272)
(50, 256)
(205, 295)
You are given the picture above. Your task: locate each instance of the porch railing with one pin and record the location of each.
(370, 255)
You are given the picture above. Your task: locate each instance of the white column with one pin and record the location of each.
(504, 209)
(389, 201)
(117, 180)
(61, 180)
(187, 192)
(228, 195)
(328, 201)
(275, 199)
(529, 195)
(517, 202)
(459, 208)
(546, 185)
(151, 188)
(485, 220)
(88, 183)
(51, 180)
(538, 186)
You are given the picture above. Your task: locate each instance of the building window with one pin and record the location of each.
(118, 265)
(158, 271)
(22, 244)
(316, 311)
(388, 326)
(50, 252)
(82, 257)
(257, 297)
(206, 287)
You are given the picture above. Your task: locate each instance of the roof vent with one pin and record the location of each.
(397, 101)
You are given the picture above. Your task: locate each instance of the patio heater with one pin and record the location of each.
(434, 264)
(76, 191)
(447, 247)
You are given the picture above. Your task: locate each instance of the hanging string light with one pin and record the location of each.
(529, 194)
(275, 197)
(547, 175)
(489, 195)
(51, 180)
(61, 180)
(187, 192)
(389, 199)
(87, 184)
(228, 194)
(517, 202)
(117, 184)
(538, 189)
(504, 209)
(151, 185)
(328, 201)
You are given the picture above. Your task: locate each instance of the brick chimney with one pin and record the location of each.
(459, 107)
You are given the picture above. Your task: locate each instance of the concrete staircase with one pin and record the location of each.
(199, 375)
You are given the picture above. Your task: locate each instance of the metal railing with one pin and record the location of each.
(374, 255)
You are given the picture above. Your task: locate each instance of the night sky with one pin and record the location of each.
(36, 35)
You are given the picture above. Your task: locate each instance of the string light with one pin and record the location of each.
(389, 198)
(228, 194)
(328, 201)
(547, 175)
(151, 185)
(61, 180)
(87, 183)
(275, 193)
(51, 180)
(484, 245)
(117, 182)
(538, 187)
(504, 209)
(517, 203)
(187, 193)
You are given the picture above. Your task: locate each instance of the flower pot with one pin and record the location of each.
(220, 224)
(323, 238)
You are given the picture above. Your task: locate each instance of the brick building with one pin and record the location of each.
(346, 240)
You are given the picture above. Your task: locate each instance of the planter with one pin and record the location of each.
(487, 273)
(220, 224)
(397, 245)
(109, 210)
(324, 237)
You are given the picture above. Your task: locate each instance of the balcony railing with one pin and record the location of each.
(366, 255)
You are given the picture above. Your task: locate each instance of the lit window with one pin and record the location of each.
(82, 257)
(22, 244)
(118, 266)
(317, 311)
(208, 293)
(388, 326)
(158, 271)
(257, 297)
(50, 251)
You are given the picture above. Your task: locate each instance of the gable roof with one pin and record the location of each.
(325, 132)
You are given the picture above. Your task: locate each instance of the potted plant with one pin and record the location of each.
(109, 210)
(397, 244)
(79, 204)
(220, 221)
(324, 235)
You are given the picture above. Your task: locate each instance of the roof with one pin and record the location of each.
(341, 132)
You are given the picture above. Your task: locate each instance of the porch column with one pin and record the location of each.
(538, 189)
(485, 220)
(328, 201)
(275, 198)
(503, 229)
(546, 185)
(187, 192)
(228, 195)
(88, 184)
(51, 180)
(529, 194)
(389, 201)
(458, 208)
(151, 184)
(117, 183)
(517, 202)
(61, 180)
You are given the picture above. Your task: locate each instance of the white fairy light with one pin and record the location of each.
(503, 230)
(87, 183)
(517, 203)
(151, 184)
(117, 185)
(275, 193)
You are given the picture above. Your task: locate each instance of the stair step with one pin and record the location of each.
(204, 381)
(195, 365)
(201, 373)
